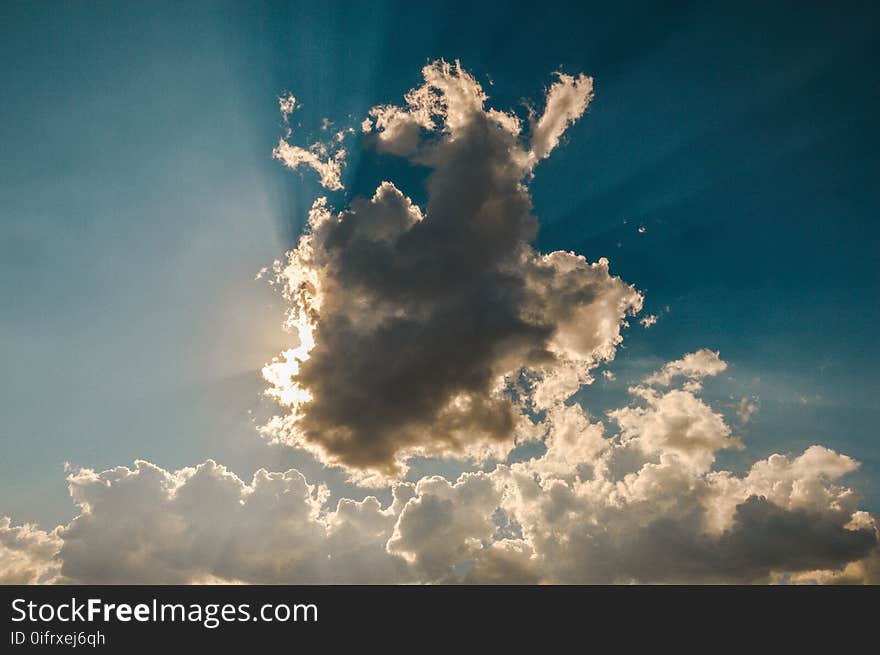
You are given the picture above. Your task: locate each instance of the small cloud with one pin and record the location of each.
(648, 320)
(746, 409)
(328, 165)
(321, 157)
(694, 366)
(341, 134)
(566, 101)
(287, 105)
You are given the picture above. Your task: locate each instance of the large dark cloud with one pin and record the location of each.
(419, 314)
(763, 538)
(767, 537)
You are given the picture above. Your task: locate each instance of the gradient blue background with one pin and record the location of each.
(138, 199)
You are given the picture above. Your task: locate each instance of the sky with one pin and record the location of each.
(725, 166)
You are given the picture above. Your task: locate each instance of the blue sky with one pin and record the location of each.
(139, 199)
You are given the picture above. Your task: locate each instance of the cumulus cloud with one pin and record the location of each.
(677, 424)
(147, 524)
(864, 571)
(421, 320)
(445, 525)
(27, 554)
(639, 504)
(644, 505)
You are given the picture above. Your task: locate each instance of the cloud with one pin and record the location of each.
(327, 164)
(645, 505)
(27, 554)
(746, 409)
(864, 571)
(677, 424)
(147, 524)
(424, 319)
(567, 99)
(326, 159)
(287, 105)
(445, 525)
(695, 366)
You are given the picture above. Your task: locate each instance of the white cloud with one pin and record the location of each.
(27, 554)
(445, 525)
(328, 165)
(678, 424)
(694, 366)
(566, 101)
(325, 159)
(147, 524)
(646, 506)
(287, 105)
